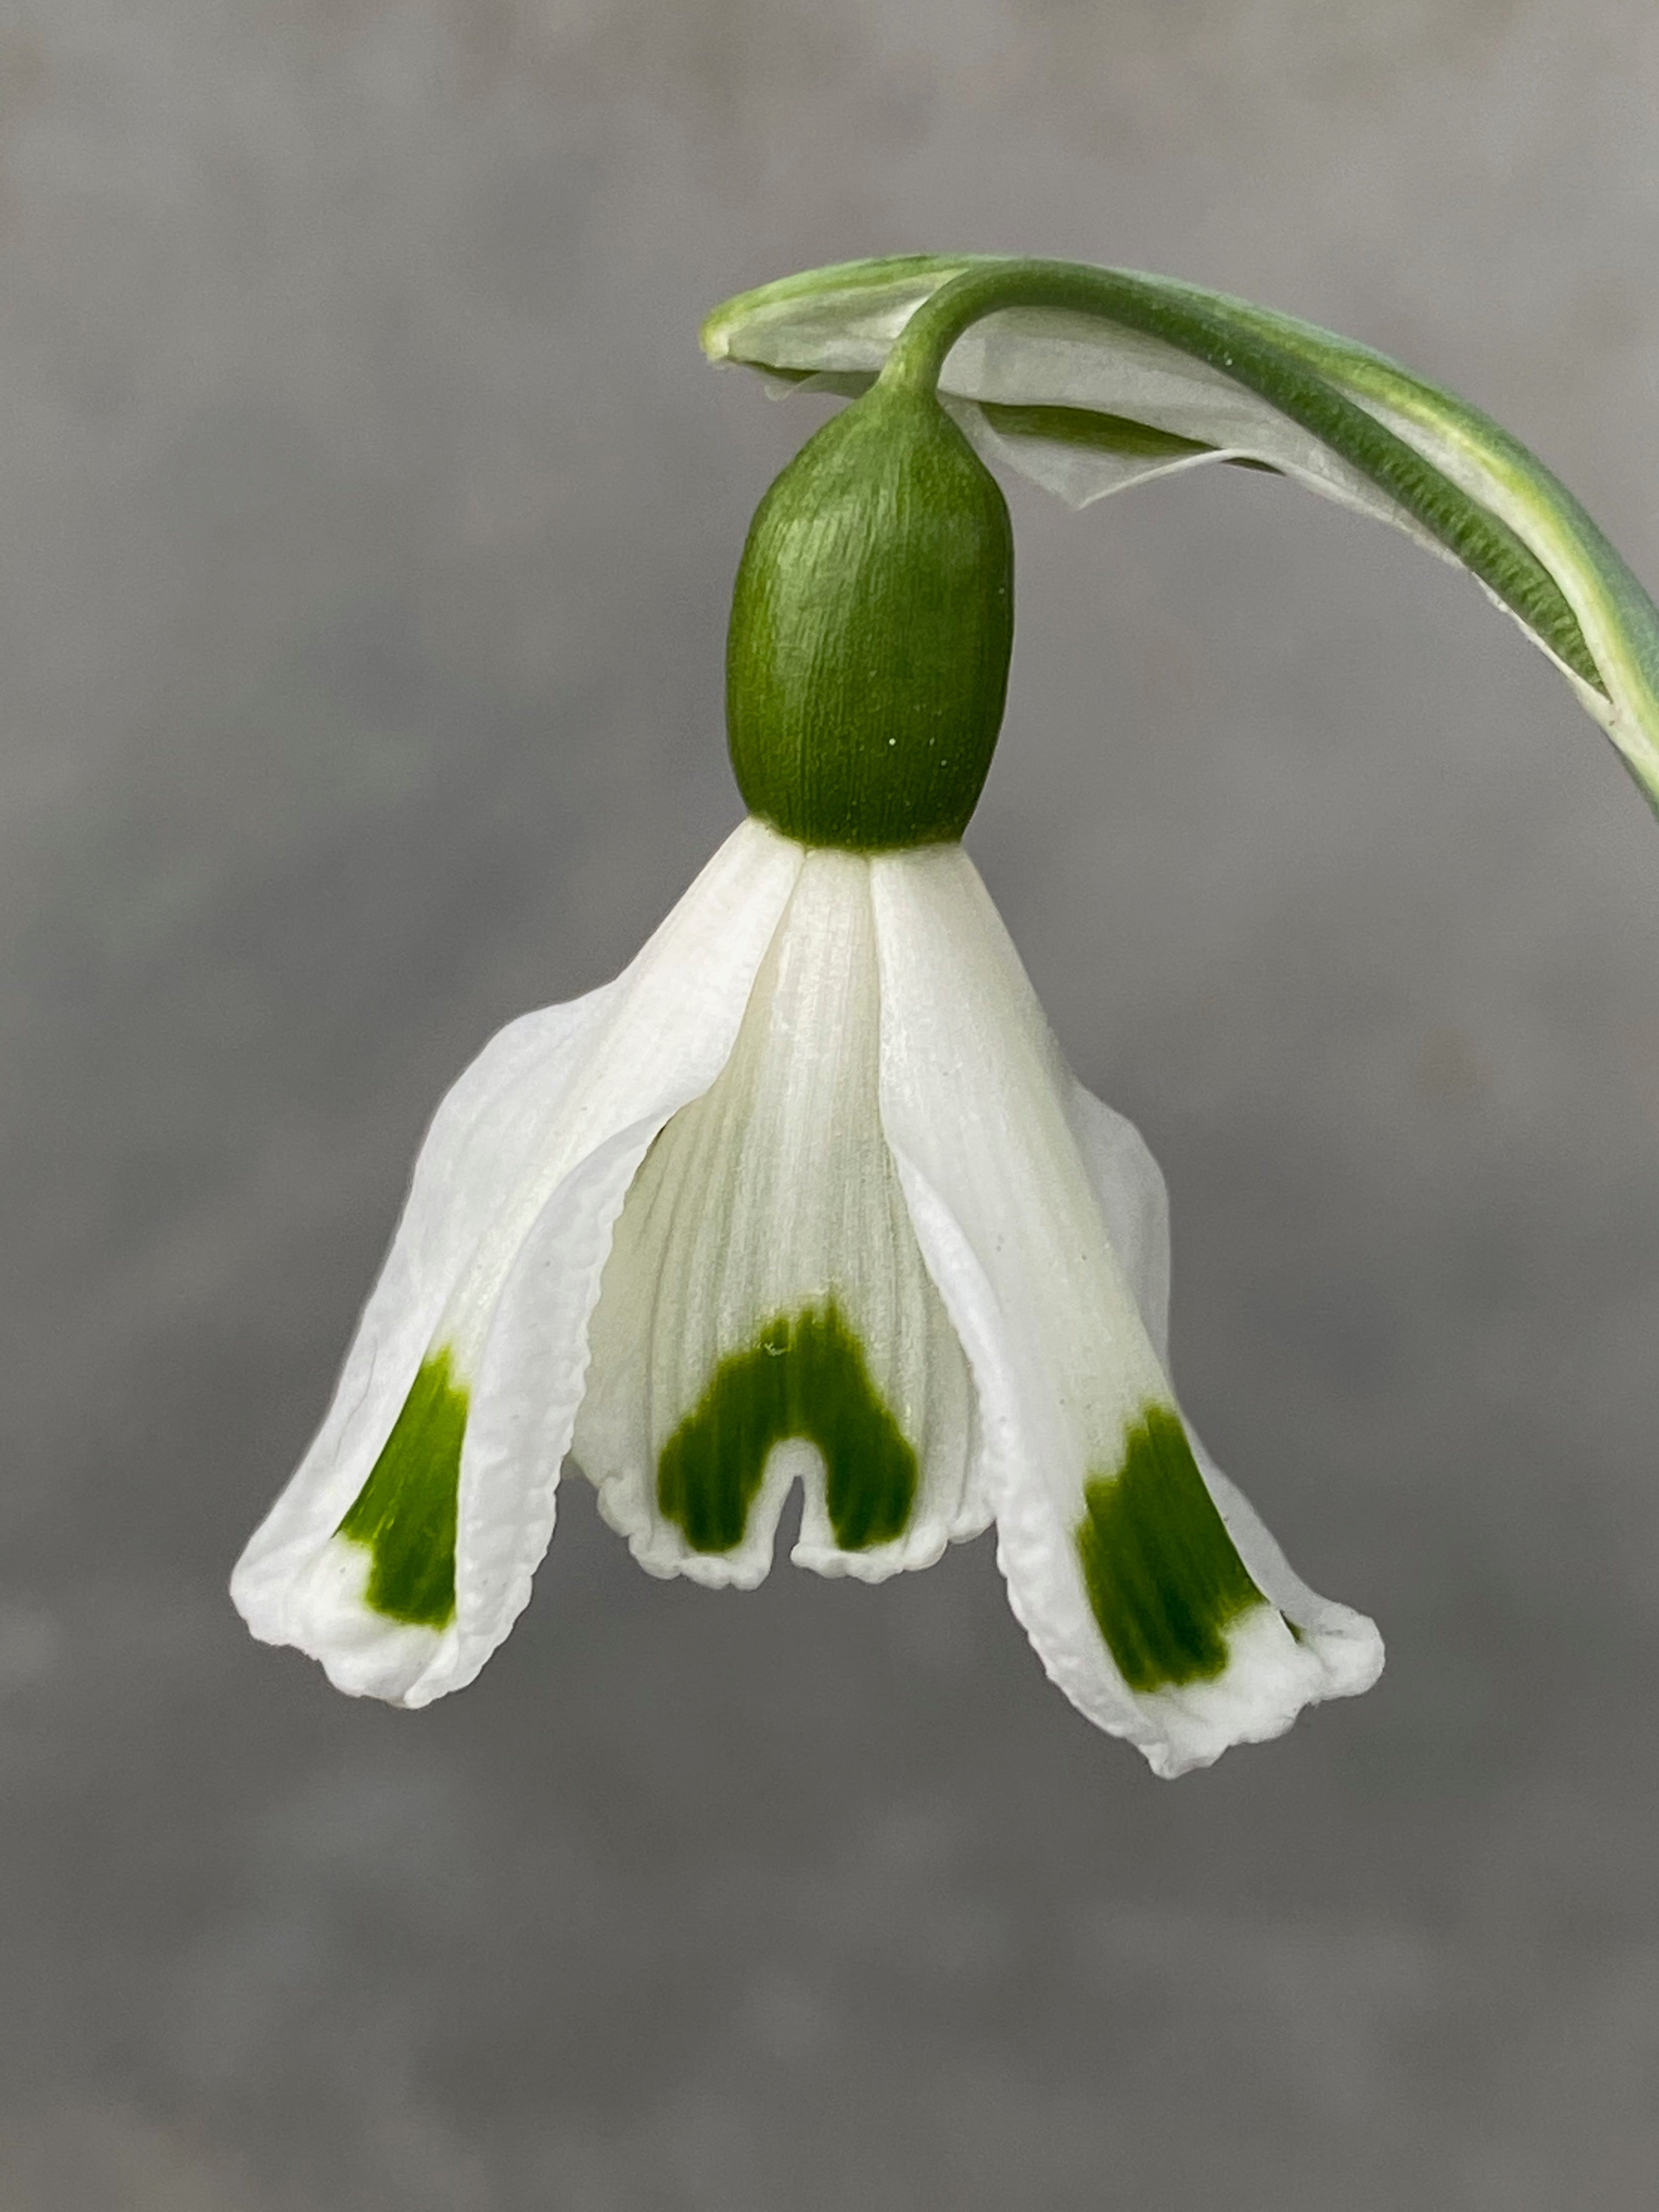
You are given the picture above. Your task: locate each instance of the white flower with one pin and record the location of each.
(806, 1192)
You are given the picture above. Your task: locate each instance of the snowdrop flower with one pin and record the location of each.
(808, 1196)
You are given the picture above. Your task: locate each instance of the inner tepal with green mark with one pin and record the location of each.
(405, 1514)
(1164, 1578)
(806, 1378)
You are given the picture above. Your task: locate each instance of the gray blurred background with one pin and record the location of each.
(368, 517)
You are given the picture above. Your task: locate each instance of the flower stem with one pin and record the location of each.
(1203, 327)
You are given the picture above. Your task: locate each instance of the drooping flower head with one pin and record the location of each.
(807, 1193)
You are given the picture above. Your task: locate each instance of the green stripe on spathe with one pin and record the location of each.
(1095, 431)
(805, 1377)
(1163, 1576)
(405, 1512)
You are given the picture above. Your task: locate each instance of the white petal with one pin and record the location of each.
(979, 1109)
(496, 1263)
(1134, 1205)
(764, 1265)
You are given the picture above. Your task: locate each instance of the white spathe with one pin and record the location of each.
(824, 1082)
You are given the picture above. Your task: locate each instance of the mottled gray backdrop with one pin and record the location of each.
(368, 517)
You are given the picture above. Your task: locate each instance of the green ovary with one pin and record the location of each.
(805, 1377)
(405, 1514)
(1163, 1576)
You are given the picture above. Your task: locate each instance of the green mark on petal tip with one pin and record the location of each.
(1163, 1576)
(805, 1377)
(405, 1512)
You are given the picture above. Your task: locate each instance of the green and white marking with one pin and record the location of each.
(404, 1517)
(806, 1379)
(766, 1315)
(1164, 1579)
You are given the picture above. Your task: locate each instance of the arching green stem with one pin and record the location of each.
(1485, 545)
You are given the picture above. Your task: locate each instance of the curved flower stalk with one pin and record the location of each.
(1088, 380)
(807, 1195)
